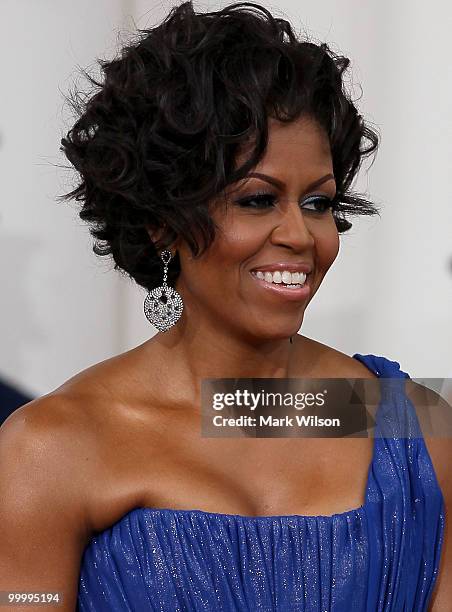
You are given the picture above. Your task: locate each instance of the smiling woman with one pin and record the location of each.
(219, 149)
(268, 235)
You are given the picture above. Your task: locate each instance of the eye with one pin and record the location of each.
(322, 202)
(258, 200)
(262, 200)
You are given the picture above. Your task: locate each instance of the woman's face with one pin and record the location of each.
(287, 225)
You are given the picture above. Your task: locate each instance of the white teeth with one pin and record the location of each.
(286, 277)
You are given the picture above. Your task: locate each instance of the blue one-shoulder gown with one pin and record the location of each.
(382, 556)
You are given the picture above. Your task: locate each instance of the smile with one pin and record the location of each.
(282, 277)
(297, 290)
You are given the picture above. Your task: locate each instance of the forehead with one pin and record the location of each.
(304, 130)
(302, 142)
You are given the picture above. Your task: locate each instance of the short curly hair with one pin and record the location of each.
(156, 139)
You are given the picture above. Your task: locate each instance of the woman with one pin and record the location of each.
(218, 154)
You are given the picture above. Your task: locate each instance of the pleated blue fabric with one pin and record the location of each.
(382, 556)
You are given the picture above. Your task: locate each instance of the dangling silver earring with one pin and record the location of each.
(163, 305)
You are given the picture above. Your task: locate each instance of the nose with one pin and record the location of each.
(292, 230)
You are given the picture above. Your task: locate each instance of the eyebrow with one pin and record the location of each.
(277, 183)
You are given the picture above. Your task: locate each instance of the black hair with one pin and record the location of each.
(156, 139)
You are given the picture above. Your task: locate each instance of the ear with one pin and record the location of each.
(156, 234)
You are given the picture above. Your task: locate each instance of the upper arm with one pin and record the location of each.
(434, 413)
(435, 418)
(440, 450)
(42, 511)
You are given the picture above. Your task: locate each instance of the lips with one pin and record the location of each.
(281, 290)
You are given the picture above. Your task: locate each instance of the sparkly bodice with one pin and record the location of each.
(382, 556)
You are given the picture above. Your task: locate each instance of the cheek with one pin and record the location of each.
(238, 243)
(238, 239)
(327, 246)
(219, 266)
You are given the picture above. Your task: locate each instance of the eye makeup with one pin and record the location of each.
(264, 200)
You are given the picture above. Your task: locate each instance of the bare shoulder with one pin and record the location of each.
(40, 449)
(329, 362)
(434, 414)
(63, 476)
(433, 410)
(62, 435)
(64, 422)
